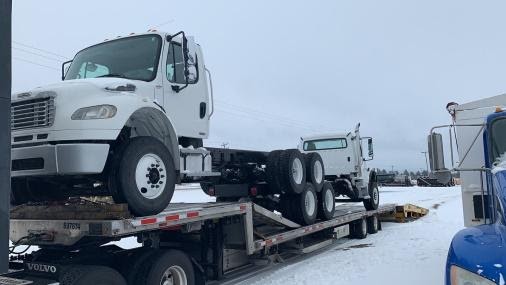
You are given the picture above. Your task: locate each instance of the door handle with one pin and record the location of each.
(203, 110)
(349, 159)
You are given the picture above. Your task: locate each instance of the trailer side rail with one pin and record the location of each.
(340, 218)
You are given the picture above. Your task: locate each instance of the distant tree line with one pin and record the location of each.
(412, 174)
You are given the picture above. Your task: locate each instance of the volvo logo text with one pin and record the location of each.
(41, 267)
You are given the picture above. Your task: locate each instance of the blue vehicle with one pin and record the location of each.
(477, 254)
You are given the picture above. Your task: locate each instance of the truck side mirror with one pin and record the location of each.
(436, 154)
(65, 68)
(186, 57)
(370, 148)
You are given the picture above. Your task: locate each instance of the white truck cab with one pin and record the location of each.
(130, 113)
(345, 165)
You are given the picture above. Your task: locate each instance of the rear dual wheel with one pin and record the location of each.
(301, 208)
(286, 171)
(315, 170)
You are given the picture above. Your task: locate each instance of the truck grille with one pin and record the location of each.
(34, 113)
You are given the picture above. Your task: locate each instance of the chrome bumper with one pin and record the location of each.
(60, 159)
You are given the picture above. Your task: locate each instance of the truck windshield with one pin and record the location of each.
(498, 138)
(132, 58)
(324, 144)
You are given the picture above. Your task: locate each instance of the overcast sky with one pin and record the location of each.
(285, 69)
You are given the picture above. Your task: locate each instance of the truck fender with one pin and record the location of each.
(151, 122)
(373, 178)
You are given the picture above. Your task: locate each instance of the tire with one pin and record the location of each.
(86, 275)
(373, 202)
(292, 171)
(373, 224)
(136, 263)
(285, 206)
(315, 171)
(25, 190)
(272, 172)
(145, 178)
(176, 263)
(359, 229)
(326, 202)
(304, 207)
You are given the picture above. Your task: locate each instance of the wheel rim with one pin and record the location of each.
(150, 176)
(318, 172)
(174, 275)
(375, 195)
(297, 172)
(309, 203)
(329, 200)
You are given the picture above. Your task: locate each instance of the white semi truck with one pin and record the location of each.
(128, 120)
(341, 161)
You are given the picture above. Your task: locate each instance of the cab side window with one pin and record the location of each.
(175, 65)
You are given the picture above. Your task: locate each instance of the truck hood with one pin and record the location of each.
(88, 86)
(481, 250)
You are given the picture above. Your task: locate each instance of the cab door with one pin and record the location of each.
(186, 99)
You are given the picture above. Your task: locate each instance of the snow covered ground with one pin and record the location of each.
(412, 253)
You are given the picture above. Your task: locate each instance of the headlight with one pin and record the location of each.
(461, 276)
(94, 112)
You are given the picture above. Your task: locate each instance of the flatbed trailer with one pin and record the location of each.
(220, 241)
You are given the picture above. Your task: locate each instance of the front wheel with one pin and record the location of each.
(146, 177)
(373, 202)
(326, 202)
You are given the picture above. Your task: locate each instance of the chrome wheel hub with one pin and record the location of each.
(174, 275)
(310, 203)
(150, 176)
(297, 171)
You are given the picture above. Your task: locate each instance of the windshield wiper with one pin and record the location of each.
(112, 75)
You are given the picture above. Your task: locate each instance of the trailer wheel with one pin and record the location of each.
(373, 202)
(359, 229)
(373, 224)
(272, 172)
(136, 264)
(146, 176)
(292, 171)
(305, 206)
(171, 267)
(326, 202)
(315, 170)
(96, 275)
